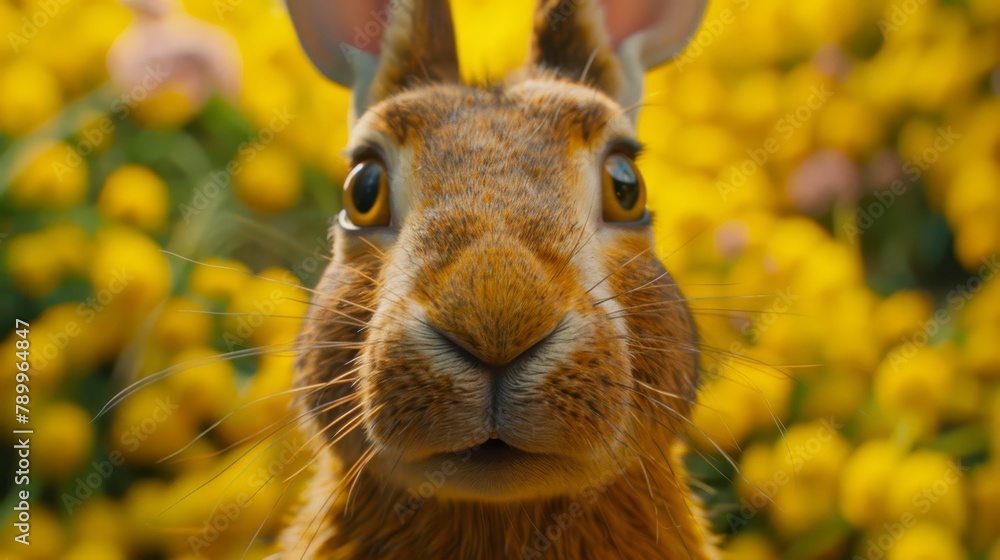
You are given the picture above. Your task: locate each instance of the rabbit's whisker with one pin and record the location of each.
(293, 429)
(310, 388)
(182, 366)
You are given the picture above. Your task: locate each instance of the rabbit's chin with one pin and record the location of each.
(497, 472)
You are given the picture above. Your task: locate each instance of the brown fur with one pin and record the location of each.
(419, 47)
(498, 305)
(572, 41)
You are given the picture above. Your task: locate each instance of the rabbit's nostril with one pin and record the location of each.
(489, 358)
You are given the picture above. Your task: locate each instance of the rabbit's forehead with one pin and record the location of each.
(454, 140)
(531, 117)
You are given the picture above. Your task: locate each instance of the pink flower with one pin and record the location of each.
(166, 48)
(825, 177)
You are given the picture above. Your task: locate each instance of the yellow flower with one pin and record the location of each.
(977, 238)
(927, 541)
(99, 518)
(64, 438)
(964, 401)
(38, 261)
(218, 279)
(850, 124)
(129, 270)
(265, 312)
(800, 507)
(749, 546)
(849, 311)
(166, 109)
(984, 307)
(754, 99)
(490, 51)
(47, 362)
(993, 416)
(269, 180)
(825, 20)
(92, 548)
(149, 425)
(32, 265)
(707, 147)
(812, 454)
(985, 482)
(725, 416)
(134, 195)
(901, 315)
(864, 480)
(973, 189)
(265, 88)
(792, 241)
(756, 484)
(43, 522)
(29, 95)
(181, 324)
(61, 343)
(76, 41)
(140, 509)
(914, 379)
(263, 404)
(71, 245)
(55, 178)
(204, 381)
(985, 11)
(828, 270)
(839, 393)
(697, 94)
(927, 486)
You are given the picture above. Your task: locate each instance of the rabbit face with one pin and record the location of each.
(504, 327)
(494, 317)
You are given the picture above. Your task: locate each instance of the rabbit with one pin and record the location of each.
(503, 364)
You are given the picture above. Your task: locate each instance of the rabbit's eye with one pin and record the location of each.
(624, 193)
(366, 194)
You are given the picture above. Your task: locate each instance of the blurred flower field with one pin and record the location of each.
(826, 182)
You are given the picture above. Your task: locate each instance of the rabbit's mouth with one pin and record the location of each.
(496, 451)
(493, 470)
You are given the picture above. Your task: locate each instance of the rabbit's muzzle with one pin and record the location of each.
(503, 361)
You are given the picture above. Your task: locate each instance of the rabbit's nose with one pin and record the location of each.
(496, 304)
(514, 354)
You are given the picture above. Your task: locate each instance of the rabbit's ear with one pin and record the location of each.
(378, 47)
(611, 43)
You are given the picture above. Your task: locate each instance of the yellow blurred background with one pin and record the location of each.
(826, 182)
